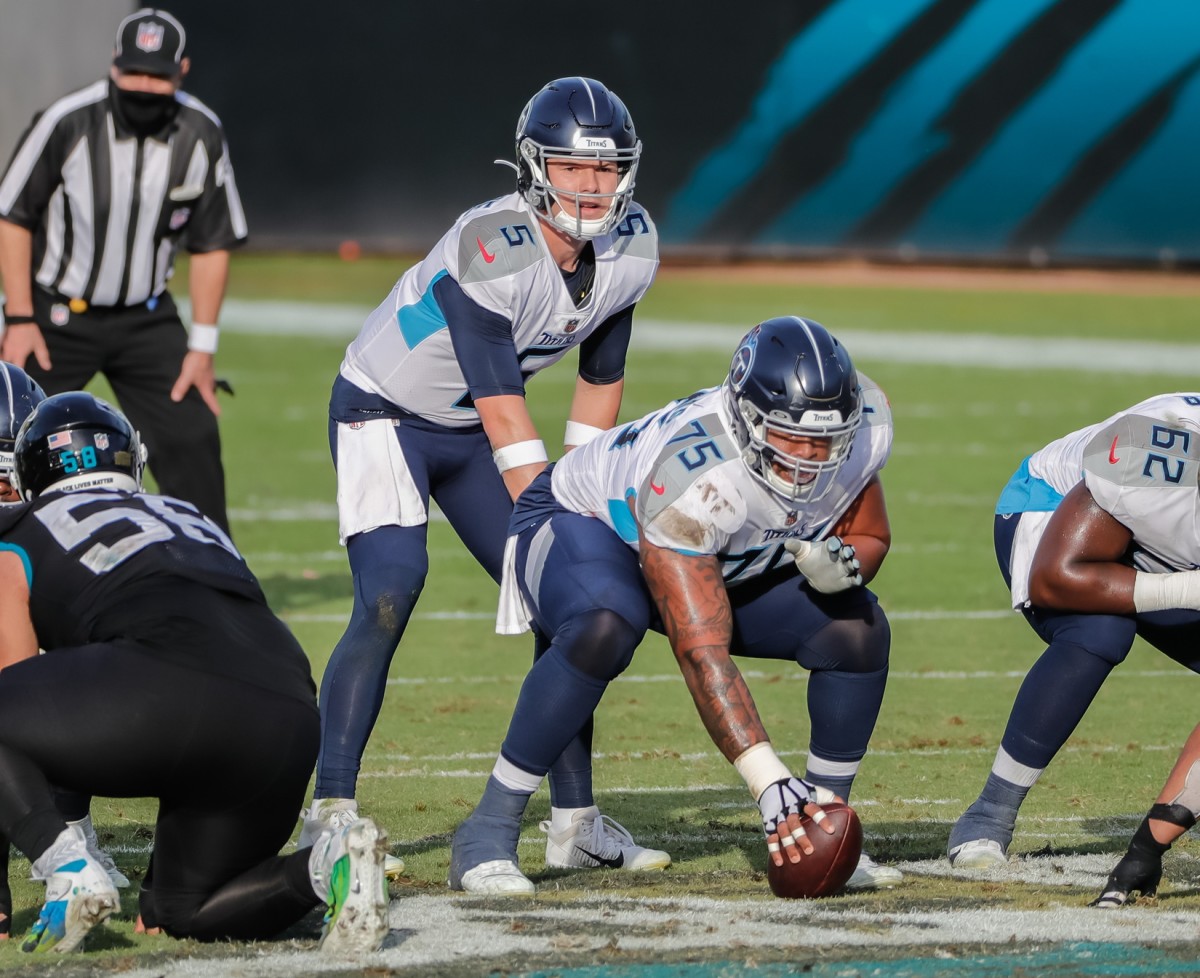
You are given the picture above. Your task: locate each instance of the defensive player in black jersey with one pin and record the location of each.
(165, 675)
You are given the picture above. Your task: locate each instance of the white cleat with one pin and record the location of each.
(336, 813)
(498, 877)
(119, 879)
(869, 875)
(596, 841)
(978, 854)
(79, 895)
(347, 864)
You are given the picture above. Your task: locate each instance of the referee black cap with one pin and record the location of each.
(150, 41)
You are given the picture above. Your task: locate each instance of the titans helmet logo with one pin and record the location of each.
(743, 360)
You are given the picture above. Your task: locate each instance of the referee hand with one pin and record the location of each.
(21, 341)
(197, 371)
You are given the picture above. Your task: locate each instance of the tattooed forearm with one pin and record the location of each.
(698, 620)
(722, 699)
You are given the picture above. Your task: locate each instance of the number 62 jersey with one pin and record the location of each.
(1141, 467)
(95, 560)
(682, 469)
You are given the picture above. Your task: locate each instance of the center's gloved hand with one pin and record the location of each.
(1140, 869)
(788, 797)
(828, 565)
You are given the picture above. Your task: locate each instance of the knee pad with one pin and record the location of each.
(385, 594)
(1107, 637)
(1188, 798)
(850, 645)
(599, 643)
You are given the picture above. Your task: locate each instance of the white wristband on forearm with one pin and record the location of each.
(519, 453)
(579, 433)
(1161, 592)
(760, 768)
(203, 338)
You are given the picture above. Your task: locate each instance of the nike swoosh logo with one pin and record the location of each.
(604, 860)
(1112, 452)
(658, 489)
(488, 257)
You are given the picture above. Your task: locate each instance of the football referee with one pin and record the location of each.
(103, 188)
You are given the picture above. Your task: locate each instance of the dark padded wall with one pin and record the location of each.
(1019, 130)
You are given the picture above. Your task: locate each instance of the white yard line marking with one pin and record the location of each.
(955, 349)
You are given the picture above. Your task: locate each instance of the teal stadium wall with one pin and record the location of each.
(1037, 131)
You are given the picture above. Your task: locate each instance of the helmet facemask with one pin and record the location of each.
(807, 480)
(534, 181)
(580, 119)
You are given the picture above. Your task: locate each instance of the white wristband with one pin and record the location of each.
(203, 338)
(579, 433)
(760, 768)
(519, 453)
(1161, 592)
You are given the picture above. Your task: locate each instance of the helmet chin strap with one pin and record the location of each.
(94, 480)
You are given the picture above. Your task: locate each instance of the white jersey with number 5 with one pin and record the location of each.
(692, 493)
(496, 254)
(1140, 466)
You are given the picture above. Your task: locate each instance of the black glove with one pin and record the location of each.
(1140, 868)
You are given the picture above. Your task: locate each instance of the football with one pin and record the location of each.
(832, 862)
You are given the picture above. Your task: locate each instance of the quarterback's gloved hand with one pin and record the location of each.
(1139, 869)
(828, 565)
(788, 797)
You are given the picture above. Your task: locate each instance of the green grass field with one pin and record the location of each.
(956, 658)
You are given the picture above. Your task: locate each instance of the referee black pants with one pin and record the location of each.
(139, 351)
(228, 761)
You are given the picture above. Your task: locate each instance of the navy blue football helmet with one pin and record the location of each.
(19, 395)
(579, 118)
(789, 375)
(75, 441)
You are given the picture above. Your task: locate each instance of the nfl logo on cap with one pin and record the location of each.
(149, 36)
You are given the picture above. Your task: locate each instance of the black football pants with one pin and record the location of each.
(228, 761)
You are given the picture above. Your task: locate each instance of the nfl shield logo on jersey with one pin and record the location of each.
(149, 36)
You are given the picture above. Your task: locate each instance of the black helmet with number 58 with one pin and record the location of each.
(791, 378)
(576, 118)
(76, 441)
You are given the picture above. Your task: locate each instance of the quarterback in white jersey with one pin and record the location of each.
(1098, 537)
(743, 520)
(430, 398)
(496, 258)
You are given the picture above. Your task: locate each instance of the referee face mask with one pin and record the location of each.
(142, 112)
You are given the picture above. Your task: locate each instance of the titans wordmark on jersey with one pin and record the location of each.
(692, 493)
(497, 255)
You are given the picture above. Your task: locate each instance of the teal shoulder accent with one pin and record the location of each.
(1025, 494)
(623, 521)
(20, 552)
(496, 246)
(421, 320)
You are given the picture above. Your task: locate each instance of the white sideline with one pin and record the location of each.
(957, 349)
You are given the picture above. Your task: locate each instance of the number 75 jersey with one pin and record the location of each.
(680, 471)
(91, 557)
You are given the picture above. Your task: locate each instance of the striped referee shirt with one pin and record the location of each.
(108, 210)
